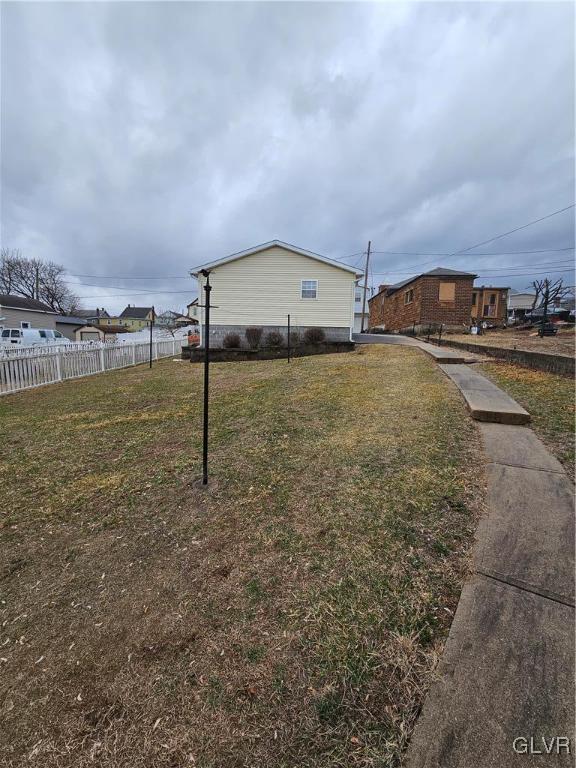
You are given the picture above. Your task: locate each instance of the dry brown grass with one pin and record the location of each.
(549, 398)
(290, 616)
(511, 338)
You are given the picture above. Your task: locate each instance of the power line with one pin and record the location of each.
(493, 253)
(509, 266)
(516, 229)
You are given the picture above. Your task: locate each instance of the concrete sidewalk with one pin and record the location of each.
(507, 671)
(440, 354)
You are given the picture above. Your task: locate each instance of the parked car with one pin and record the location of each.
(32, 336)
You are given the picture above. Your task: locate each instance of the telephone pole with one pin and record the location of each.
(365, 286)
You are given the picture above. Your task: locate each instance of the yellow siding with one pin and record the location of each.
(261, 289)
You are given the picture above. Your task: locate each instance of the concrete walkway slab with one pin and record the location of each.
(506, 672)
(486, 401)
(527, 536)
(508, 666)
(517, 447)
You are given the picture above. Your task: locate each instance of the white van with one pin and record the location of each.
(32, 336)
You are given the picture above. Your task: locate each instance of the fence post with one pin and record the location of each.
(133, 353)
(155, 350)
(102, 366)
(59, 365)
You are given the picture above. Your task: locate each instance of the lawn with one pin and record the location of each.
(549, 398)
(512, 338)
(289, 616)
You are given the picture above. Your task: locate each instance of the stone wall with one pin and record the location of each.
(271, 353)
(539, 361)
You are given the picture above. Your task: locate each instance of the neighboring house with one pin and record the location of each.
(182, 320)
(438, 296)
(20, 312)
(132, 318)
(358, 304)
(68, 325)
(490, 304)
(519, 304)
(93, 315)
(261, 286)
(193, 312)
(166, 319)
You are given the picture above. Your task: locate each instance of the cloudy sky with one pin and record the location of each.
(142, 139)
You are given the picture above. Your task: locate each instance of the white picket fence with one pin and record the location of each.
(28, 367)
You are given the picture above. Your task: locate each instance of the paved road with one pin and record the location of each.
(382, 338)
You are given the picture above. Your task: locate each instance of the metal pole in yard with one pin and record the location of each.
(288, 338)
(440, 335)
(151, 325)
(365, 286)
(207, 289)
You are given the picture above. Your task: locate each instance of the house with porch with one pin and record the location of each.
(490, 304)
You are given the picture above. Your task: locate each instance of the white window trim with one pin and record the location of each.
(308, 280)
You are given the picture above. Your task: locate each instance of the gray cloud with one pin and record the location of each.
(145, 138)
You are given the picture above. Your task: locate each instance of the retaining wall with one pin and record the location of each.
(539, 361)
(266, 353)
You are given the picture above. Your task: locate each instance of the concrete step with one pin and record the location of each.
(445, 356)
(485, 401)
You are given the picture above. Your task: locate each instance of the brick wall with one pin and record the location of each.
(395, 315)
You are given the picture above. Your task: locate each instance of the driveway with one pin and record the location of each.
(383, 338)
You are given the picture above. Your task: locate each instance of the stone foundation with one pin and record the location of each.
(218, 332)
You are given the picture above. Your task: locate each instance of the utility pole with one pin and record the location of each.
(365, 286)
(151, 326)
(207, 289)
(37, 282)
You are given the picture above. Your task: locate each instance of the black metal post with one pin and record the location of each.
(207, 289)
(151, 326)
(288, 338)
(440, 335)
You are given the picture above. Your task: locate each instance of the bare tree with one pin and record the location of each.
(549, 292)
(36, 279)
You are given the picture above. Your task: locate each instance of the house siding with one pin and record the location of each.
(262, 288)
(13, 317)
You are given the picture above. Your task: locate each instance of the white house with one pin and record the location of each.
(519, 304)
(261, 286)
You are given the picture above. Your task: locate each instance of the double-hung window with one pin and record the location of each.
(309, 289)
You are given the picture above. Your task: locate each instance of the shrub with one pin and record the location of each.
(314, 336)
(274, 339)
(231, 341)
(294, 338)
(253, 336)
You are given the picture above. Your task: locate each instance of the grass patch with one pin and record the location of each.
(290, 615)
(549, 398)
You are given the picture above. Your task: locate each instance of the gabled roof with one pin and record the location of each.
(70, 320)
(275, 244)
(10, 301)
(436, 272)
(137, 313)
(92, 313)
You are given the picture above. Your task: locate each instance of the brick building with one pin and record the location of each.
(439, 296)
(490, 304)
